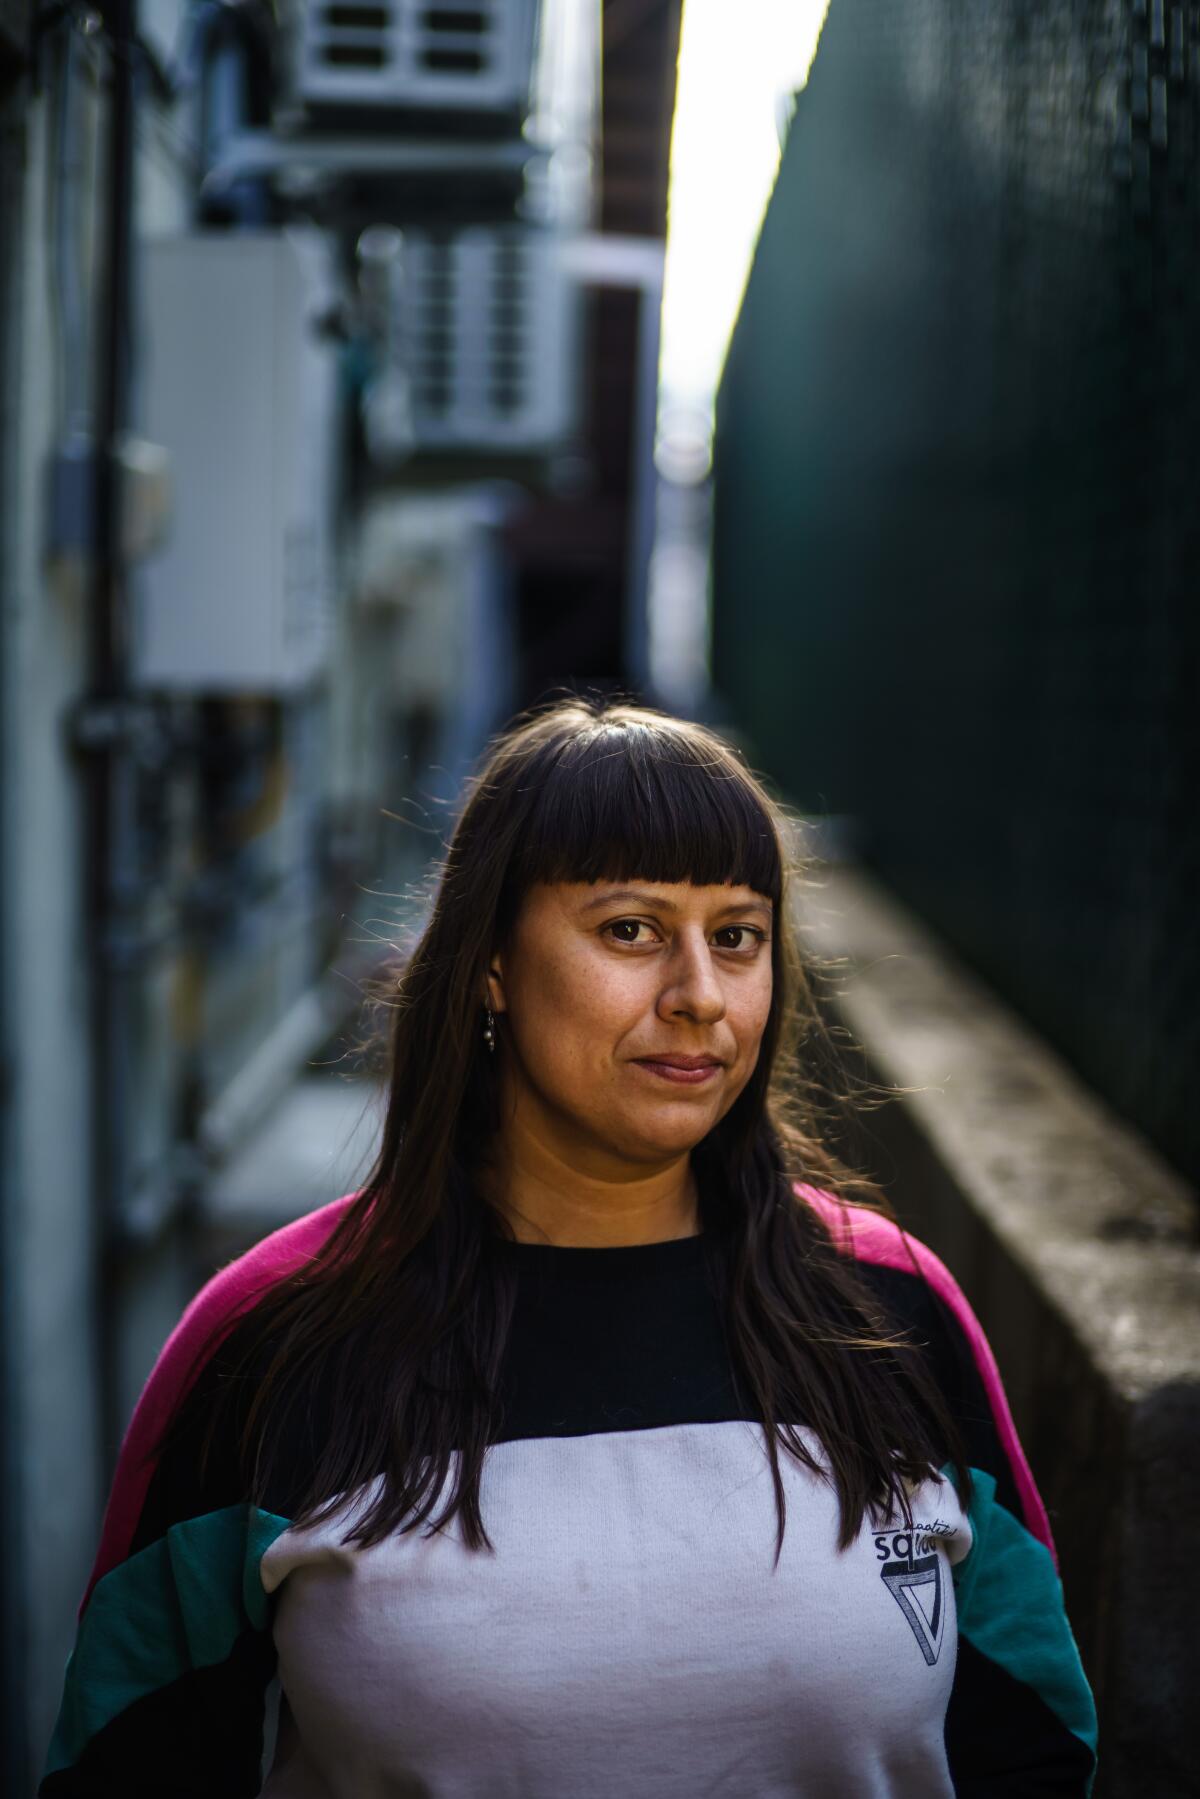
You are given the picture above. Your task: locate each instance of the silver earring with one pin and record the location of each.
(489, 1029)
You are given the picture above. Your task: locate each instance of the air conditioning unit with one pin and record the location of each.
(485, 326)
(429, 58)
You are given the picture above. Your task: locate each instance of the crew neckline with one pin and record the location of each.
(618, 1260)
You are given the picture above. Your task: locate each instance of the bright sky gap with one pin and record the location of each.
(738, 67)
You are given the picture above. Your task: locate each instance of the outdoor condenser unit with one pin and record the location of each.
(453, 57)
(485, 327)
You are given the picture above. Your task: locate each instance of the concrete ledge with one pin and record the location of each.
(1080, 1250)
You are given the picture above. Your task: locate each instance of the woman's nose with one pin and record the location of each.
(692, 986)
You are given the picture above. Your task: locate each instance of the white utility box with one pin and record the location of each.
(241, 392)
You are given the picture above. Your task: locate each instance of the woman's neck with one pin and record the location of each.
(548, 1198)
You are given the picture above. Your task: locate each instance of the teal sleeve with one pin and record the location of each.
(171, 1661)
(1022, 1720)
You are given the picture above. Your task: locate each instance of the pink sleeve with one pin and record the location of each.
(221, 1302)
(868, 1237)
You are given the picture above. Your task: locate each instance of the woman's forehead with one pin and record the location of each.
(671, 897)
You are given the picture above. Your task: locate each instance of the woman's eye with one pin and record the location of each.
(624, 930)
(750, 938)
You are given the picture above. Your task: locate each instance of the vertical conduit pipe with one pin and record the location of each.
(109, 777)
(15, 1597)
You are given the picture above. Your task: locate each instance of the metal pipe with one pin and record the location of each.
(16, 1602)
(69, 173)
(109, 813)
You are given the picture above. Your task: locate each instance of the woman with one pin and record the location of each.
(593, 1448)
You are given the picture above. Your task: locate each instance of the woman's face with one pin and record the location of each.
(609, 989)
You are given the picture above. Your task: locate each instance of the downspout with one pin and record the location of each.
(15, 1598)
(104, 732)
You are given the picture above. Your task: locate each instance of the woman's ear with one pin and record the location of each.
(495, 985)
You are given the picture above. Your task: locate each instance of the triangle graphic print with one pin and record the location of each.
(925, 1594)
(916, 1586)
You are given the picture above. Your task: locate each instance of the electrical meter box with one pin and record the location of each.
(486, 327)
(240, 390)
(459, 57)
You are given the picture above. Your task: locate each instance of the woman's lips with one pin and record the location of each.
(675, 1071)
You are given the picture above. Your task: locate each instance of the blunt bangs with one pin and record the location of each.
(628, 801)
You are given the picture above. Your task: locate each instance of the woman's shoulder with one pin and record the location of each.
(218, 1305)
(233, 1289)
(873, 1239)
(188, 1354)
(921, 1296)
(895, 1261)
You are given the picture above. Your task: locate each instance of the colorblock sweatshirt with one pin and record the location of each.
(630, 1634)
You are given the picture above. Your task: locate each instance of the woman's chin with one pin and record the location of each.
(666, 1132)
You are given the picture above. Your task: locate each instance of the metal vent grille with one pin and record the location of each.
(457, 55)
(486, 322)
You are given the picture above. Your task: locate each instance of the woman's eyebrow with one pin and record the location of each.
(640, 897)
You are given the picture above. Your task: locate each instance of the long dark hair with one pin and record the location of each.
(403, 1315)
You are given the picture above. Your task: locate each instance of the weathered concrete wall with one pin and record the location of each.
(1080, 1251)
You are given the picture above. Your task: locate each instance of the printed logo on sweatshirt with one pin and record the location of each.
(912, 1573)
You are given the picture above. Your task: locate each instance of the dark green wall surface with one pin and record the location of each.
(956, 529)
